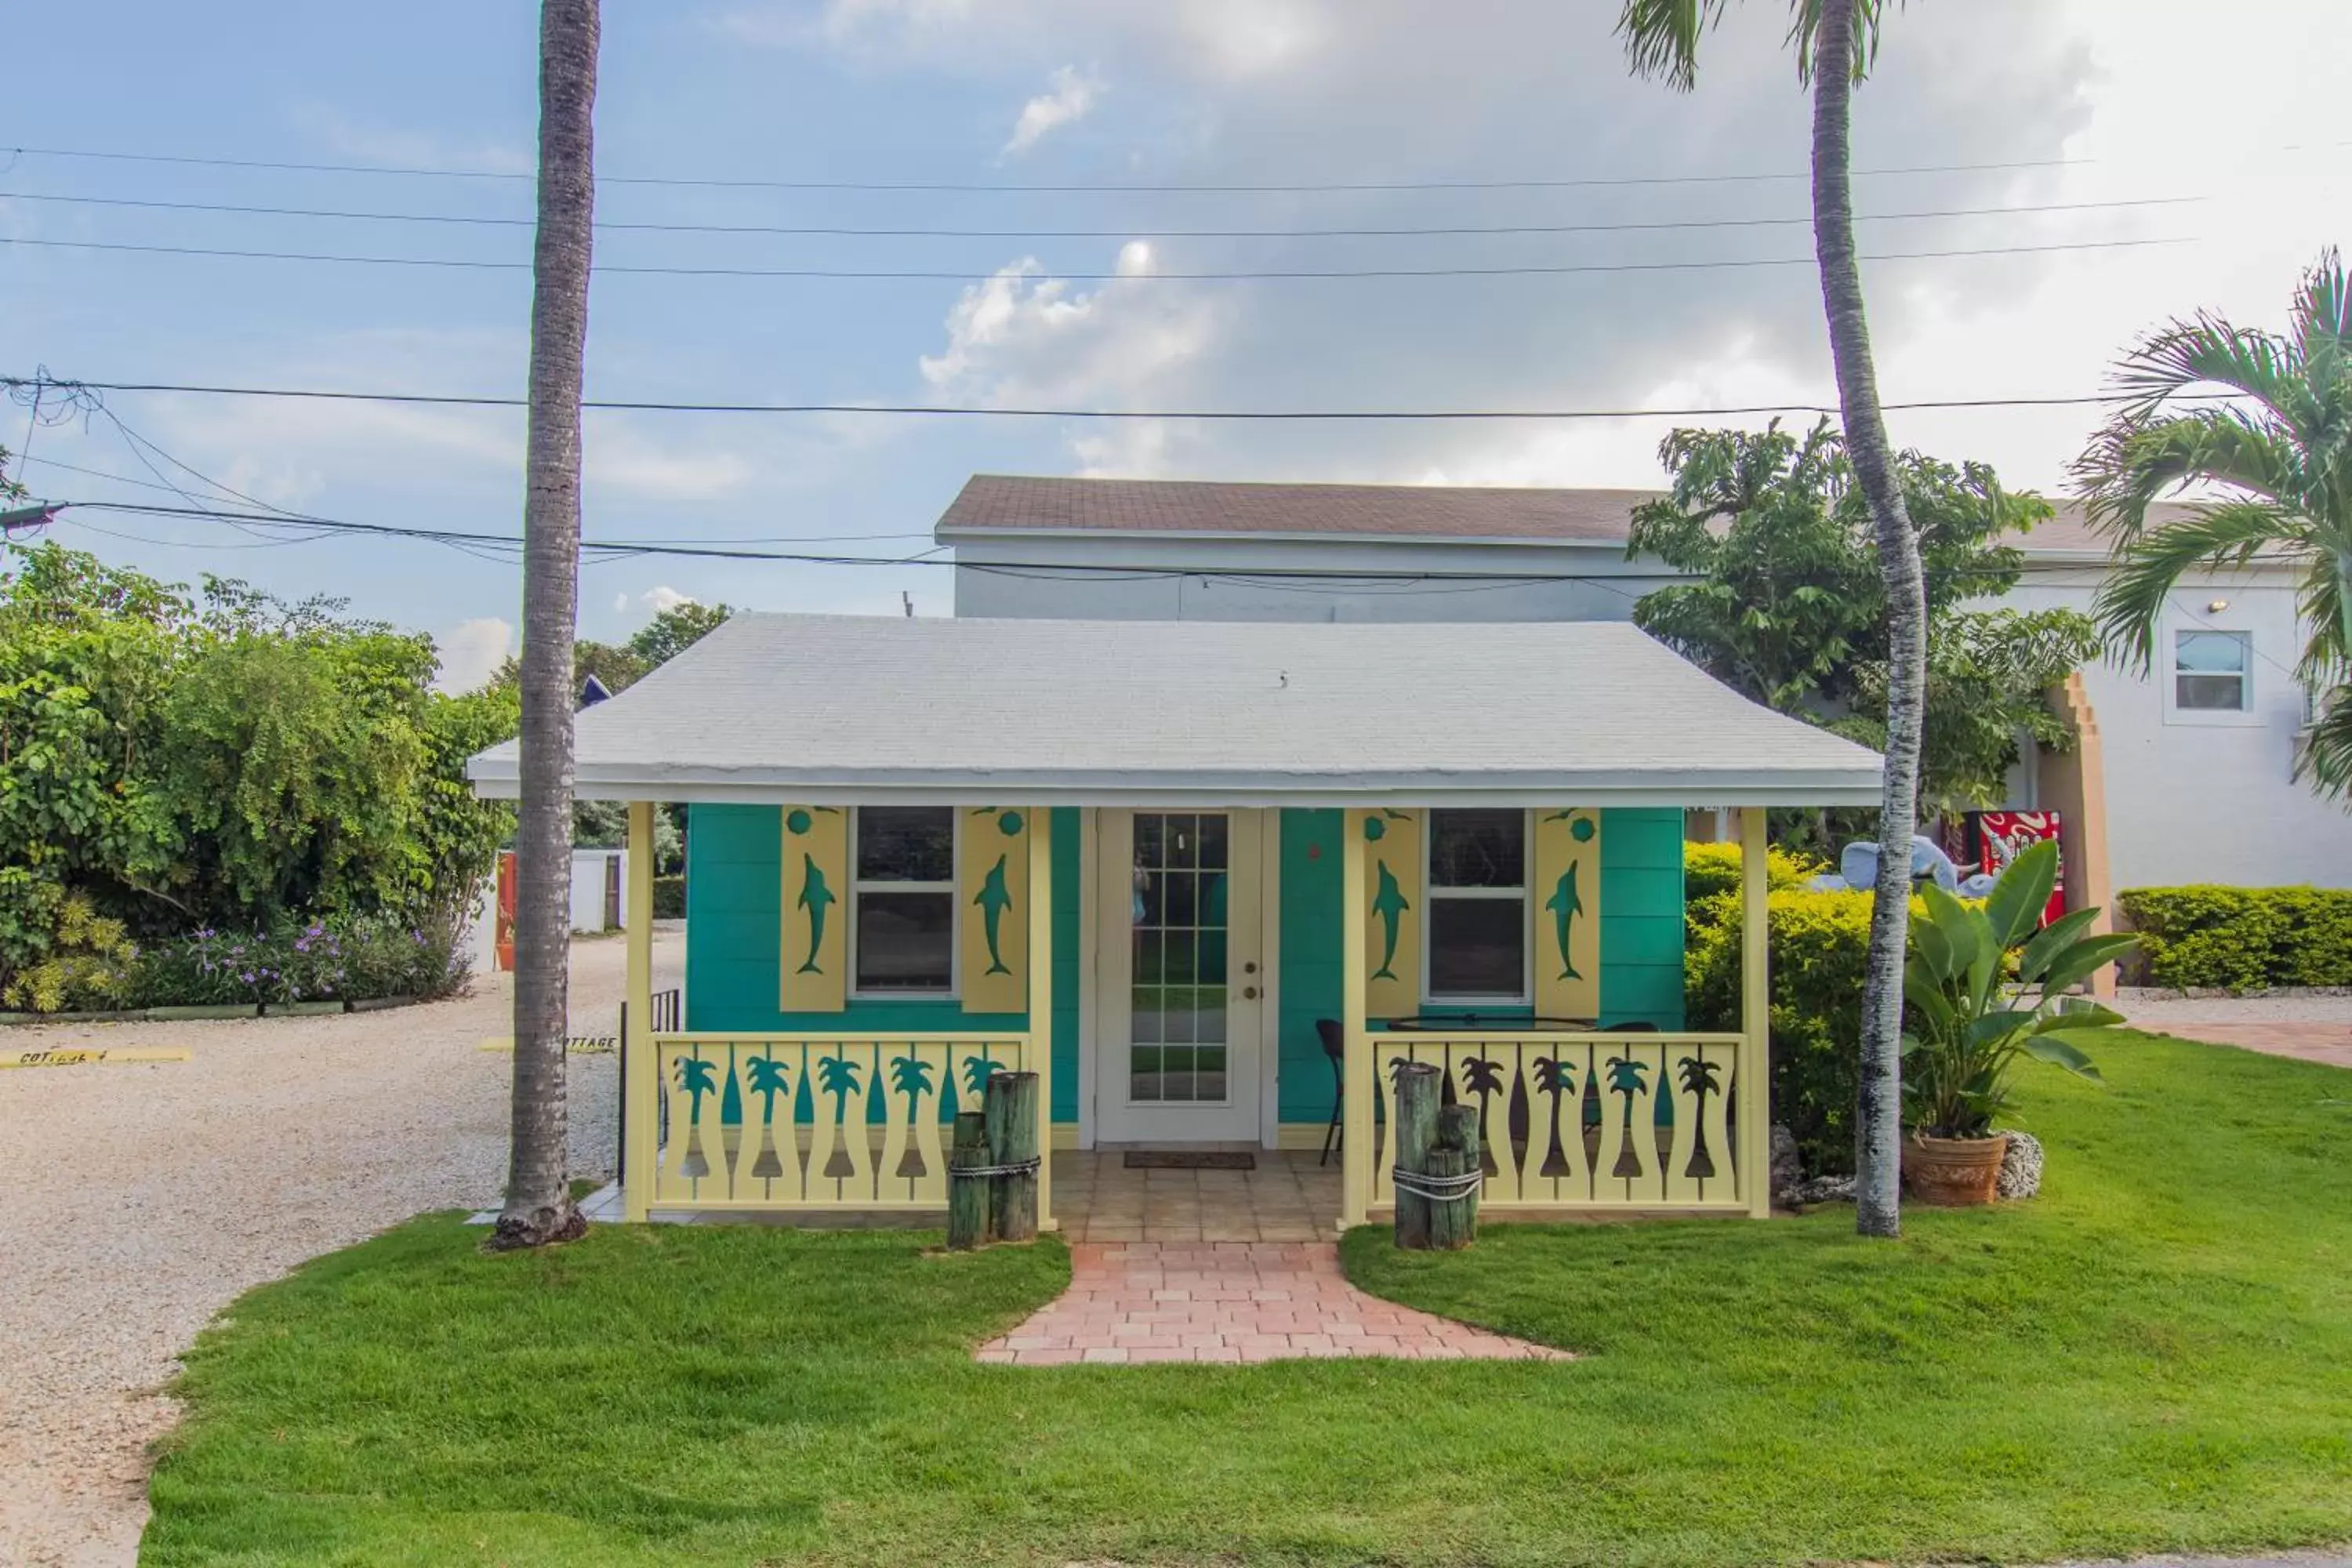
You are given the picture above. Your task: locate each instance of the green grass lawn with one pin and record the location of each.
(2155, 1354)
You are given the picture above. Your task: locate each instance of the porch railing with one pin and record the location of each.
(1587, 1121)
(815, 1121)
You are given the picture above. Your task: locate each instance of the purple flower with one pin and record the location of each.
(302, 945)
(247, 977)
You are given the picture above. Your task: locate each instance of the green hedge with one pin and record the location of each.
(2242, 938)
(1819, 945)
(669, 898)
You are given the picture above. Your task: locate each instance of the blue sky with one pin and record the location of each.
(1043, 91)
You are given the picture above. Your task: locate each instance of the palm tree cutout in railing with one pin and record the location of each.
(768, 1079)
(1700, 1077)
(697, 1077)
(1483, 1076)
(977, 1071)
(1625, 1077)
(911, 1076)
(837, 1076)
(1556, 1077)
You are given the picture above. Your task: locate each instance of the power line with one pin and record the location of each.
(1099, 188)
(639, 406)
(914, 275)
(855, 232)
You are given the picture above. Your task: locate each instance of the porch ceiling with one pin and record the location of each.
(838, 709)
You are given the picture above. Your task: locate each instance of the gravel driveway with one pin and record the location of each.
(138, 1200)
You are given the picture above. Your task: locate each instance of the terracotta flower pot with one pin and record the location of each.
(1953, 1173)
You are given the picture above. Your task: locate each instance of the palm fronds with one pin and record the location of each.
(1662, 36)
(2282, 457)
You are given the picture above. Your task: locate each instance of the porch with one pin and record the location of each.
(1228, 880)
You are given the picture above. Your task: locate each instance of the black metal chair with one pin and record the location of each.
(1335, 1049)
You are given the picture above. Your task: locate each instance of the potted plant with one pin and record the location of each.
(1985, 989)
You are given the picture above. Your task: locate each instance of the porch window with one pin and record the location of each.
(1478, 906)
(902, 919)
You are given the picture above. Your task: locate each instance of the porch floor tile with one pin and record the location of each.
(1288, 1198)
(1131, 1302)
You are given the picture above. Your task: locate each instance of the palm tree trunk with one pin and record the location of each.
(539, 1207)
(1877, 1131)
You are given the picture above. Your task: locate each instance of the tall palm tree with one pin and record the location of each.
(539, 1207)
(2282, 455)
(1662, 40)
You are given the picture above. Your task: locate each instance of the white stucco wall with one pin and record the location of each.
(2190, 796)
(2202, 796)
(588, 885)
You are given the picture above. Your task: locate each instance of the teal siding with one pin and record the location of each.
(1308, 958)
(734, 911)
(1640, 936)
(1641, 916)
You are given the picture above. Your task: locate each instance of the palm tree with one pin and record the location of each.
(539, 1207)
(768, 1079)
(837, 1076)
(911, 1076)
(697, 1077)
(2283, 458)
(1483, 1076)
(1625, 1079)
(1700, 1077)
(977, 1071)
(1556, 1077)
(1662, 40)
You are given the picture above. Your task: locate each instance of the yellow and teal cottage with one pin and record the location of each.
(1211, 881)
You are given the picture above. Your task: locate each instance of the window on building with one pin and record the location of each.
(1476, 913)
(903, 898)
(2209, 669)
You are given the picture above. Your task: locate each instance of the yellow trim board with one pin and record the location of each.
(74, 1059)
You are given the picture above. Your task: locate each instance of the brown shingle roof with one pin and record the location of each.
(990, 501)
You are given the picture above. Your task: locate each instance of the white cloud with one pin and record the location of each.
(1214, 39)
(1069, 95)
(1023, 338)
(664, 598)
(471, 652)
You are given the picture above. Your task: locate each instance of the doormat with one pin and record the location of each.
(1191, 1160)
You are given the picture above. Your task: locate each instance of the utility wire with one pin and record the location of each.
(914, 275)
(848, 231)
(1125, 188)
(463, 400)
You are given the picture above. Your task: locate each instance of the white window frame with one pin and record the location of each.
(1429, 896)
(2174, 713)
(858, 887)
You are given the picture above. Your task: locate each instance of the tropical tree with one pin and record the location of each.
(1483, 1076)
(977, 1071)
(911, 1076)
(539, 1207)
(1782, 601)
(1835, 42)
(1625, 1079)
(2279, 450)
(837, 1076)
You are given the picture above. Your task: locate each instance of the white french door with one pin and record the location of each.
(1181, 989)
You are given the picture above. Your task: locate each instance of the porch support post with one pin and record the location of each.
(637, 1092)
(1356, 1069)
(1040, 1055)
(1755, 1016)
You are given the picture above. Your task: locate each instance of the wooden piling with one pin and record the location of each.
(1418, 1091)
(1453, 1222)
(968, 1195)
(1011, 1108)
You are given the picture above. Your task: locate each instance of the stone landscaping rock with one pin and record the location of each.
(1786, 1172)
(1825, 1190)
(2021, 1168)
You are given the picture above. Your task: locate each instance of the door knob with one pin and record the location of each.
(1249, 993)
(1250, 967)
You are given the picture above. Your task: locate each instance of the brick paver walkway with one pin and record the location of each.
(1231, 1301)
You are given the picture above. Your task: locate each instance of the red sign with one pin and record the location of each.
(2006, 835)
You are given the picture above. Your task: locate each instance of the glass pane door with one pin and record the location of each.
(1178, 1000)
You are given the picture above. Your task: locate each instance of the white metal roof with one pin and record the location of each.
(836, 709)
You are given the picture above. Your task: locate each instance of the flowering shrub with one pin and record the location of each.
(350, 958)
